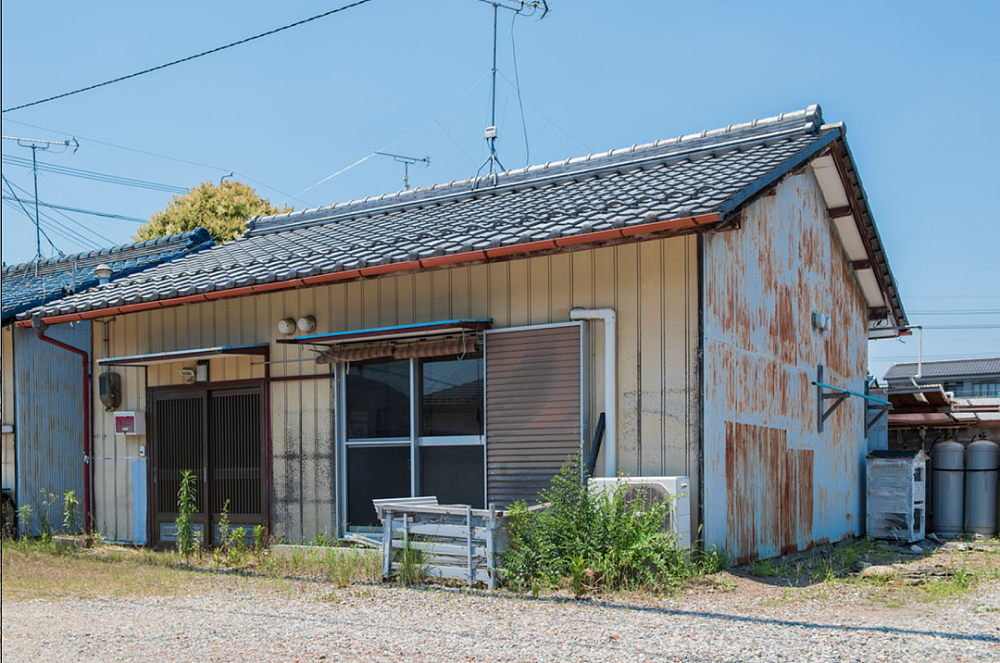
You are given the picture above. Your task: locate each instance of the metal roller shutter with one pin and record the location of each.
(534, 408)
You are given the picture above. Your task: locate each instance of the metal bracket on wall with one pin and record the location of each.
(827, 392)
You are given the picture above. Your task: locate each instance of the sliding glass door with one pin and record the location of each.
(412, 427)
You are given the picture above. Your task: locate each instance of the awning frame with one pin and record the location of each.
(175, 356)
(396, 331)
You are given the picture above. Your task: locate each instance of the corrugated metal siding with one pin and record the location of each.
(7, 449)
(772, 482)
(533, 409)
(658, 415)
(49, 426)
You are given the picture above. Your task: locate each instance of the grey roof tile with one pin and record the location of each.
(945, 369)
(695, 174)
(29, 285)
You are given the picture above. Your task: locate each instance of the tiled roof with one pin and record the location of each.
(712, 172)
(945, 369)
(33, 284)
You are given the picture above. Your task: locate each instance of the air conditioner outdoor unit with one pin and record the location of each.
(659, 488)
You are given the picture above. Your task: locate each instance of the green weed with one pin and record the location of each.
(187, 537)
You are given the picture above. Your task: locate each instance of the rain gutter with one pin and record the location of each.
(690, 223)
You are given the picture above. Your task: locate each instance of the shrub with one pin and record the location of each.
(596, 539)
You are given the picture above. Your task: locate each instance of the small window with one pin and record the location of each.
(451, 399)
(378, 400)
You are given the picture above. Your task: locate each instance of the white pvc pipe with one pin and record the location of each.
(610, 383)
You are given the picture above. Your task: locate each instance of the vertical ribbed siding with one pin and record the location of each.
(533, 409)
(7, 453)
(49, 426)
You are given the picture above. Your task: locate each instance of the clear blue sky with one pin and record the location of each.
(916, 82)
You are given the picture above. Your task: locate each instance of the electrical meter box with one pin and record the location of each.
(130, 423)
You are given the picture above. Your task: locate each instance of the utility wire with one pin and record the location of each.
(517, 81)
(190, 57)
(107, 215)
(96, 234)
(546, 117)
(241, 175)
(94, 176)
(26, 213)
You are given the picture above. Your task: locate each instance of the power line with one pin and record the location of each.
(10, 187)
(163, 156)
(107, 215)
(987, 326)
(190, 57)
(96, 234)
(957, 312)
(94, 176)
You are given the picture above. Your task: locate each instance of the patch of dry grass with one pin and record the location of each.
(32, 569)
(35, 569)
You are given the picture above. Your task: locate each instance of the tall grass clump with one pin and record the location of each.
(593, 539)
(187, 537)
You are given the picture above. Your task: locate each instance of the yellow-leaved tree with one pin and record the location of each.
(223, 210)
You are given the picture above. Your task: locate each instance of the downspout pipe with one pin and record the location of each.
(607, 315)
(40, 328)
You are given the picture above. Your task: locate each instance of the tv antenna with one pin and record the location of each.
(35, 144)
(518, 7)
(407, 162)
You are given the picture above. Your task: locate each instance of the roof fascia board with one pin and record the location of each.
(761, 184)
(672, 227)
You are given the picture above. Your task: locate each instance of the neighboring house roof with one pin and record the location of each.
(679, 185)
(34, 284)
(954, 368)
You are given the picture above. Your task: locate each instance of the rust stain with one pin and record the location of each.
(805, 485)
(769, 491)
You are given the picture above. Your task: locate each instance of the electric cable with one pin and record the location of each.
(21, 205)
(517, 86)
(22, 162)
(96, 234)
(188, 58)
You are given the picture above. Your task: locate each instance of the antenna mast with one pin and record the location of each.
(35, 144)
(407, 162)
(493, 161)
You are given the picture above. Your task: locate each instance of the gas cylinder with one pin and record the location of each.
(948, 461)
(982, 465)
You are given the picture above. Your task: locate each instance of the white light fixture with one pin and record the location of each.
(307, 324)
(821, 322)
(287, 326)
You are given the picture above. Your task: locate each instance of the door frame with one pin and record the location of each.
(206, 388)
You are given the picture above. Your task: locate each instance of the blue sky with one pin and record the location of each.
(916, 83)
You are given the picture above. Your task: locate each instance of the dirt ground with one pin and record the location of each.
(941, 603)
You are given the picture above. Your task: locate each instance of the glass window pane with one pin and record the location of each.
(451, 402)
(453, 474)
(375, 473)
(378, 400)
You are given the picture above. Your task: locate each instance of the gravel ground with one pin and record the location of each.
(253, 622)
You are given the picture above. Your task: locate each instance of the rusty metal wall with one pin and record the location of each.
(772, 482)
(652, 286)
(7, 444)
(48, 385)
